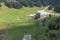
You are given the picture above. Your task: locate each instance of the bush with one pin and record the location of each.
(50, 7)
(54, 24)
(8, 4)
(0, 5)
(24, 4)
(17, 5)
(57, 9)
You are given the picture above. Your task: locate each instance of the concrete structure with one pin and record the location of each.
(27, 37)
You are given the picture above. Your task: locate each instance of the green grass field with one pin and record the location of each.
(17, 28)
(10, 15)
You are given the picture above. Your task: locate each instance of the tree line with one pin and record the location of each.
(31, 3)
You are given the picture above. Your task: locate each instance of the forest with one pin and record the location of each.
(31, 3)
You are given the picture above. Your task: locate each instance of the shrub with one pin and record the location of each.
(0, 5)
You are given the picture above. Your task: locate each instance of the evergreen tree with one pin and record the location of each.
(30, 3)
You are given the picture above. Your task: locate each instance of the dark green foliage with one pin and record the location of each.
(58, 20)
(57, 9)
(30, 3)
(24, 4)
(57, 6)
(52, 36)
(16, 5)
(0, 5)
(2, 0)
(8, 4)
(53, 27)
(50, 7)
(43, 22)
(13, 4)
(55, 24)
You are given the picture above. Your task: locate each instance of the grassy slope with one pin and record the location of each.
(10, 15)
(17, 31)
(24, 26)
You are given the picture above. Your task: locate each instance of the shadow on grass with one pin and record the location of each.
(17, 32)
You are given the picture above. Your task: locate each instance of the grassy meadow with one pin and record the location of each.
(11, 15)
(18, 23)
